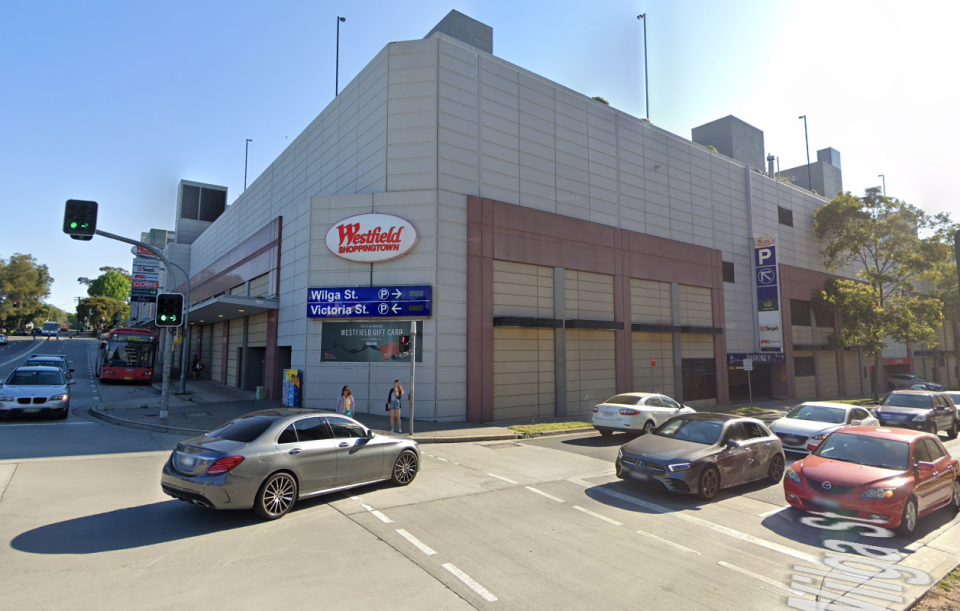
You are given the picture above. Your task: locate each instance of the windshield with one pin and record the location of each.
(623, 400)
(706, 432)
(895, 400)
(120, 353)
(51, 326)
(818, 413)
(45, 363)
(21, 377)
(862, 450)
(243, 429)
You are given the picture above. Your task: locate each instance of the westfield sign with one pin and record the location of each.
(369, 238)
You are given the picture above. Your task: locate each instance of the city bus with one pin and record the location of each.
(126, 354)
(50, 328)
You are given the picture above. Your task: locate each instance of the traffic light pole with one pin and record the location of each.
(168, 352)
(413, 369)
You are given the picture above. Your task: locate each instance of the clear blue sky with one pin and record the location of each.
(117, 101)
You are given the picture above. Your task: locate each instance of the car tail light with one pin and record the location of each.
(224, 464)
(596, 410)
(629, 412)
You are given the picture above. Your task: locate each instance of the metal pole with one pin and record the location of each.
(807, 138)
(646, 79)
(337, 82)
(750, 388)
(884, 177)
(246, 157)
(413, 368)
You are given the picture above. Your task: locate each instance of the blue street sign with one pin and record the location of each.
(370, 302)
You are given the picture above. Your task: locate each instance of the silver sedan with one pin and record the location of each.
(267, 460)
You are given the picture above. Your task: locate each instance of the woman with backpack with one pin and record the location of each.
(393, 406)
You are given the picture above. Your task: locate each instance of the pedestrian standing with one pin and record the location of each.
(393, 405)
(346, 402)
(195, 366)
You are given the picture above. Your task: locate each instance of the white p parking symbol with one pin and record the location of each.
(763, 254)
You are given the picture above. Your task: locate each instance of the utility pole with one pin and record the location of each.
(807, 138)
(884, 177)
(413, 369)
(646, 79)
(337, 82)
(246, 157)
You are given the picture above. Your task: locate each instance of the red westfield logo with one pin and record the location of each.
(371, 237)
(374, 240)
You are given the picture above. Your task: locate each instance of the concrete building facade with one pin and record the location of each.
(574, 251)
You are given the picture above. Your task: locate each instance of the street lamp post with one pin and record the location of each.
(884, 178)
(337, 82)
(807, 138)
(646, 80)
(246, 157)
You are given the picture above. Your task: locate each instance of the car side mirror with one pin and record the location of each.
(732, 443)
(923, 467)
(856, 422)
(72, 370)
(371, 434)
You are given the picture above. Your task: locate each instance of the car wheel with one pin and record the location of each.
(956, 496)
(775, 472)
(276, 496)
(404, 468)
(954, 430)
(605, 433)
(709, 484)
(648, 427)
(908, 522)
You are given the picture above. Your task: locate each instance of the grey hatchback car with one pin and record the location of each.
(268, 460)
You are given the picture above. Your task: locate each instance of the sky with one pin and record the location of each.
(117, 101)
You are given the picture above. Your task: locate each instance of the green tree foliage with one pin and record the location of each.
(104, 270)
(943, 276)
(50, 312)
(881, 236)
(22, 279)
(601, 100)
(111, 284)
(102, 308)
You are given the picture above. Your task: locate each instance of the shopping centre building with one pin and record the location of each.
(553, 250)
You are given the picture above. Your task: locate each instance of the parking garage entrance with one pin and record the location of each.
(761, 378)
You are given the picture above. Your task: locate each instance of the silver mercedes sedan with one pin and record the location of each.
(267, 460)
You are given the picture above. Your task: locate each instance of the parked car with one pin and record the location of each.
(921, 410)
(49, 360)
(896, 381)
(955, 397)
(702, 454)
(806, 425)
(35, 390)
(637, 412)
(887, 477)
(3, 340)
(268, 460)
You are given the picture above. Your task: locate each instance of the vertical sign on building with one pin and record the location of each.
(767, 282)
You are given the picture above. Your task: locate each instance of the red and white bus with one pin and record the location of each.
(126, 354)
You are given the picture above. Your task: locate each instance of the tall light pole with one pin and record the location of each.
(646, 80)
(807, 138)
(246, 157)
(337, 83)
(884, 177)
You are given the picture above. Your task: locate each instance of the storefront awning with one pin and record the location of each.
(229, 307)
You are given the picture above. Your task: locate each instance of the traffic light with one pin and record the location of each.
(80, 219)
(169, 310)
(16, 304)
(85, 319)
(404, 343)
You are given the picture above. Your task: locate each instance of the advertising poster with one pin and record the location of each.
(366, 342)
(767, 284)
(290, 395)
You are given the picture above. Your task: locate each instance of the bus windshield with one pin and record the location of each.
(129, 351)
(51, 326)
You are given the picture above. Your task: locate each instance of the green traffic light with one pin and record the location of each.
(73, 225)
(163, 317)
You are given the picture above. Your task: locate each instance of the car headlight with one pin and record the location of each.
(792, 475)
(919, 417)
(6, 399)
(680, 466)
(879, 493)
(59, 397)
(620, 452)
(820, 437)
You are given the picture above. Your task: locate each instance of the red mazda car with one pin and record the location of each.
(883, 476)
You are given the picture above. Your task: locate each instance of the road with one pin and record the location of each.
(535, 524)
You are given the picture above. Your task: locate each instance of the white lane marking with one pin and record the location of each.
(382, 517)
(767, 514)
(417, 543)
(597, 515)
(473, 585)
(509, 481)
(766, 580)
(354, 498)
(542, 493)
(443, 459)
(6, 475)
(668, 543)
(19, 356)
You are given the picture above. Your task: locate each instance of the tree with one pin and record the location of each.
(112, 284)
(96, 309)
(882, 237)
(22, 279)
(601, 100)
(104, 270)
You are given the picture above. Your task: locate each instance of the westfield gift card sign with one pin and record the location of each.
(371, 238)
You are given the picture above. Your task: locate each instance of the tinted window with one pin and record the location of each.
(897, 400)
(654, 401)
(754, 430)
(243, 429)
(863, 450)
(697, 431)
(343, 428)
(818, 413)
(921, 452)
(623, 400)
(955, 396)
(933, 450)
(737, 432)
(289, 435)
(668, 402)
(22, 377)
(312, 429)
(859, 414)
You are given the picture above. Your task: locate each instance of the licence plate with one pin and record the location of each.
(827, 503)
(32, 410)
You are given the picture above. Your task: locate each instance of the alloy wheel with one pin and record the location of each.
(405, 469)
(708, 484)
(647, 428)
(776, 469)
(278, 495)
(956, 495)
(910, 517)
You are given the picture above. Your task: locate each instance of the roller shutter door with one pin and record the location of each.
(523, 383)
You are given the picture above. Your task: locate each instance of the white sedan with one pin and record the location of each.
(806, 425)
(639, 412)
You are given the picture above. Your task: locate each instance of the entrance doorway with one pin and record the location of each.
(256, 367)
(761, 378)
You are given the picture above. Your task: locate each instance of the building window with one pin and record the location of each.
(190, 202)
(785, 216)
(699, 379)
(800, 313)
(201, 204)
(728, 272)
(803, 366)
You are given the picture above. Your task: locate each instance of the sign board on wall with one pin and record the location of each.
(366, 342)
(370, 302)
(766, 280)
(768, 357)
(371, 238)
(140, 251)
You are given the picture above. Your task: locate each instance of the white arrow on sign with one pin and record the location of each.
(395, 308)
(397, 294)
